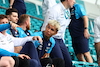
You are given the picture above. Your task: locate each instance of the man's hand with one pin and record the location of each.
(24, 56)
(46, 55)
(13, 25)
(38, 38)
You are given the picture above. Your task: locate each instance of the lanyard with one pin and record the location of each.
(67, 14)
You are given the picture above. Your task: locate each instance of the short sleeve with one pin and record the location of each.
(79, 11)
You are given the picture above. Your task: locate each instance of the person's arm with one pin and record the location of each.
(46, 55)
(4, 26)
(11, 3)
(7, 53)
(86, 32)
(8, 25)
(22, 41)
(82, 13)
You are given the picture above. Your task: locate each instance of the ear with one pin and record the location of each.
(8, 16)
(55, 32)
(26, 22)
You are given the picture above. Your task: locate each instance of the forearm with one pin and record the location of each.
(85, 19)
(11, 2)
(4, 26)
(21, 41)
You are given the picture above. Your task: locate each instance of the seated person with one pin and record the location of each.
(7, 42)
(48, 41)
(12, 15)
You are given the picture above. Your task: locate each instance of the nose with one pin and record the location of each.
(49, 30)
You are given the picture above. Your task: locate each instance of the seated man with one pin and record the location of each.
(7, 42)
(48, 41)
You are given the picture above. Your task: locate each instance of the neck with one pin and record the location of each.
(65, 4)
(23, 27)
(47, 38)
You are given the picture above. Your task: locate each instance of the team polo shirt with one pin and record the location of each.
(21, 33)
(76, 27)
(57, 12)
(46, 46)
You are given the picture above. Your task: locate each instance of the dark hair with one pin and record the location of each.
(62, 0)
(10, 10)
(2, 16)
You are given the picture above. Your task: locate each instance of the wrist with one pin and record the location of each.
(10, 22)
(10, 5)
(85, 27)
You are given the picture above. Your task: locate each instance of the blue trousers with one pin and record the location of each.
(30, 50)
(61, 51)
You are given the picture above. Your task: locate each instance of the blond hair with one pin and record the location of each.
(54, 23)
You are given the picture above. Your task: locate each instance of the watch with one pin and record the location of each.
(85, 28)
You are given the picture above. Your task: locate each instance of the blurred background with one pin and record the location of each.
(34, 9)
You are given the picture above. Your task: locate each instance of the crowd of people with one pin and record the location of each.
(20, 47)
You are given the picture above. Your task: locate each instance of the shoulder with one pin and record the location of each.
(38, 34)
(56, 8)
(19, 28)
(52, 40)
(78, 5)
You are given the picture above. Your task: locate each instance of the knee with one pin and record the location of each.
(7, 61)
(4, 63)
(87, 53)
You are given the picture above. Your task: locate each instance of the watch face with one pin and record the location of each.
(85, 28)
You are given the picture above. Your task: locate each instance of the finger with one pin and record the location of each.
(27, 57)
(22, 57)
(34, 38)
(15, 29)
(40, 40)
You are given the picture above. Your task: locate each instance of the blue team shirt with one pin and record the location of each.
(79, 11)
(50, 42)
(76, 26)
(21, 33)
